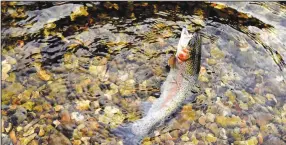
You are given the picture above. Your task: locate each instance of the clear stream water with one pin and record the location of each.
(80, 69)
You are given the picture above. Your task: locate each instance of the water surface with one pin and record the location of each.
(83, 68)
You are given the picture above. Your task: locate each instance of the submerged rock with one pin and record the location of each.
(58, 138)
(19, 116)
(5, 139)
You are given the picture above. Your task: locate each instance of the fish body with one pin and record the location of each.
(177, 87)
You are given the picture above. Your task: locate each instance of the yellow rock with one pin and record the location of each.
(78, 89)
(41, 132)
(34, 142)
(79, 11)
(29, 132)
(210, 93)
(132, 116)
(188, 113)
(97, 70)
(216, 53)
(29, 105)
(35, 94)
(82, 105)
(115, 6)
(146, 141)
(38, 108)
(271, 97)
(213, 127)
(58, 108)
(211, 61)
(5, 66)
(5, 69)
(26, 140)
(242, 105)
(185, 137)
(126, 92)
(231, 96)
(44, 75)
(218, 6)
(211, 138)
(11, 78)
(4, 76)
(112, 116)
(203, 78)
(228, 121)
(76, 142)
(252, 141)
(25, 96)
(237, 135)
(19, 128)
(194, 139)
(50, 26)
(93, 125)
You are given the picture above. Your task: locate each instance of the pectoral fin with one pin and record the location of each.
(172, 61)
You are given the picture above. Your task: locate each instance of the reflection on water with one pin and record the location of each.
(79, 69)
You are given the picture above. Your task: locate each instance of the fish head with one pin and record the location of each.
(189, 52)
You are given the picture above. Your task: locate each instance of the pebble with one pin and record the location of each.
(19, 116)
(58, 139)
(273, 140)
(29, 132)
(210, 117)
(211, 138)
(86, 140)
(41, 132)
(93, 125)
(56, 123)
(95, 104)
(8, 128)
(28, 126)
(216, 53)
(58, 108)
(19, 128)
(65, 117)
(202, 120)
(213, 127)
(76, 142)
(5, 139)
(26, 140)
(222, 133)
(77, 116)
(228, 121)
(13, 137)
(82, 105)
(34, 142)
(211, 61)
(260, 138)
(262, 118)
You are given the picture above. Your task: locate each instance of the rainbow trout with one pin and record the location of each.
(178, 86)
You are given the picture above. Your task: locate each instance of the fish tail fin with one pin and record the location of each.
(129, 138)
